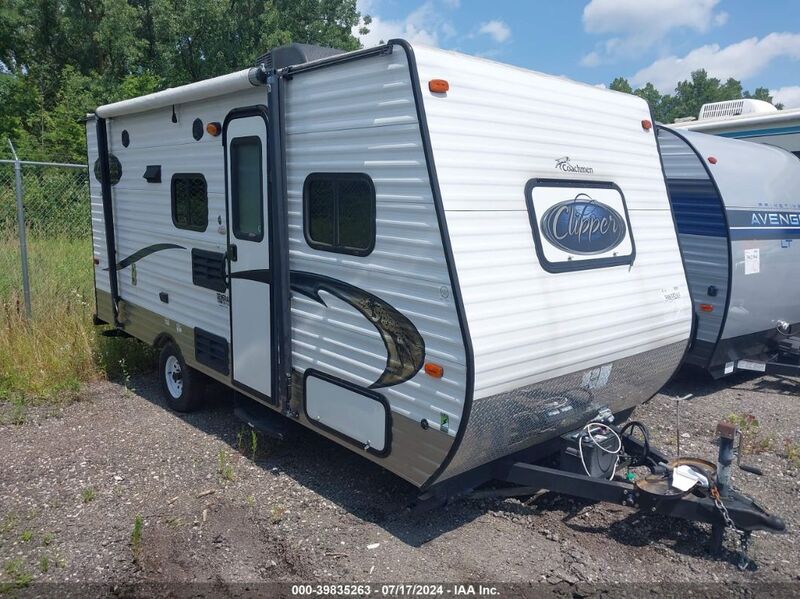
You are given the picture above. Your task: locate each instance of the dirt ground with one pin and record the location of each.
(117, 490)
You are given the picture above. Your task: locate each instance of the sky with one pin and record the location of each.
(594, 41)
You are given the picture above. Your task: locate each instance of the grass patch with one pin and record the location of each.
(26, 536)
(88, 494)
(753, 441)
(48, 357)
(224, 468)
(136, 535)
(18, 575)
(791, 451)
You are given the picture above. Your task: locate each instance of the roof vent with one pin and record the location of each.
(285, 56)
(732, 108)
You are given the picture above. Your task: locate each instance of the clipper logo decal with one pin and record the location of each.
(583, 225)
(564, 164)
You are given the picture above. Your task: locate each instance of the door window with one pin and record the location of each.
(247, 185)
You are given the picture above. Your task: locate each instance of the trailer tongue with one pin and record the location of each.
(688, 488)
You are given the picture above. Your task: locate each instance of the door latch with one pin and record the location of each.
(233, 253)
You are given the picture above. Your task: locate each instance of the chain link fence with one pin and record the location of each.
(55, 242)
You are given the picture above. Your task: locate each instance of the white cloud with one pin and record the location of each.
(635, 25)
(498, 30)
(452, 3)
(788, 96)
(424, 25)
(740, 60)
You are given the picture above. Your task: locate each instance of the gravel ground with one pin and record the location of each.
(76, 481)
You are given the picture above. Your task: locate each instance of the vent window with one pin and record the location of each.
(189, 201)
(339, 212)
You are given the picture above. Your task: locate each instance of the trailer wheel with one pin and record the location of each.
(182, 386)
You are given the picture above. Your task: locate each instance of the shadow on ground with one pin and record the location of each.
(373, 494)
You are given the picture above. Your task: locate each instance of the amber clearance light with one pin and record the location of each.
(646, 125)
(438, 86)
(706, 307)
(214, 128)
(434, 370)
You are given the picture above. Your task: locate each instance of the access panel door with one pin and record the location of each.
(249, 255)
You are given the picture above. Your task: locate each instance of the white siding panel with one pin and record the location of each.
(143, 211)
(497, 128)
(360, 117)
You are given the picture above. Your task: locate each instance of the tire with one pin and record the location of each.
(181, 385)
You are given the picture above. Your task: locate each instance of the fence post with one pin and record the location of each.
(23, 242)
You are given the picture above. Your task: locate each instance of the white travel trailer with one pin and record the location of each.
(738, 217)
(751, 120)
(433, 259)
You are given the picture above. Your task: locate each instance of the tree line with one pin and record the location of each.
(690, 95)
(60, 59)
(63, 58)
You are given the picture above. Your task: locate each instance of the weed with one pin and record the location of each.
(44, 564)
(276, 514)
(752, 441)
(136, 535)
(225, 470)
(88, 494)
(251, 500)
(15, 570)
(791, 451)
(8, 524)
(240, 440)
(47, 357)
(47, 539)
(253, 443)
(26, 536)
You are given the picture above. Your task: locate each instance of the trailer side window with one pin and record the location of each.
(339, 212)
(189, 201)
(247, 184)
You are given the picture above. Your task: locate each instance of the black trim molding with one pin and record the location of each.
(448, 252)
(368, 393)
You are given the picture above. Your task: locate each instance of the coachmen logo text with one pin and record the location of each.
(583, 225)
(564, 164)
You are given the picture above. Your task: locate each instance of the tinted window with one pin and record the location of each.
(189, 201)
(247, 186)
(339, 211)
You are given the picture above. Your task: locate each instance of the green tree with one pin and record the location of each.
(59, 59)
(620, 84)
(690, 95)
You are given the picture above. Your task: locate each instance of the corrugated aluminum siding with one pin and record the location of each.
(143, 211)
(497, 128)
(360, 117)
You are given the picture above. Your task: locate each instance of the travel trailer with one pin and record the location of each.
(430, 258)
(748, 119)
(738, 218)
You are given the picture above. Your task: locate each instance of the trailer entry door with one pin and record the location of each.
(249, 255)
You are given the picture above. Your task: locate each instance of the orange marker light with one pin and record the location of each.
(438, 86)
(214, 129)
(434, 370)
(712, 160)
(706, 307)
(646, 125)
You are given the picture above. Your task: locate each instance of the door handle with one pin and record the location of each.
(233, 253)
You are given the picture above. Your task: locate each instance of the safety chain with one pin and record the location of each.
(742, 536)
